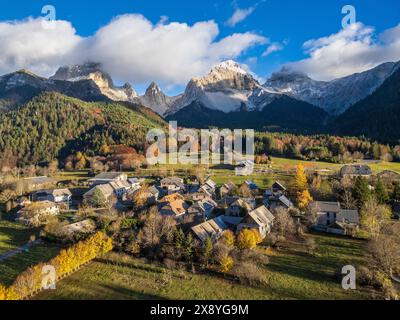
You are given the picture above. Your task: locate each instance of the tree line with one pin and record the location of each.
(68, 260)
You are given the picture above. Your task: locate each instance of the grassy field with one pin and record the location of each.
(12, 236)
(290, 275)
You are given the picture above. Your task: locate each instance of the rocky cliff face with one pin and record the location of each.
(334, 96)
(93, 71)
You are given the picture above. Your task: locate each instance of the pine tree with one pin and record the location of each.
(361, 191)
(179, 238)
(381, 193)
(396, 192)
(207, 251)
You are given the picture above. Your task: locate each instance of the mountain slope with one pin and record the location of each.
(93, 71)
(282, 114)
(156, 100)
(334, 96)
(377, 116)
(54, 126)
(227, 87)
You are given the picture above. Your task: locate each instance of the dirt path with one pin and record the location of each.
(19, 250)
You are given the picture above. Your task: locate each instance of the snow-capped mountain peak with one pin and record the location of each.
(93, 71)
(227, 87)
(229, 65)
(334, 96)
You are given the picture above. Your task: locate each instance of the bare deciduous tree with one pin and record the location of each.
(284, 224)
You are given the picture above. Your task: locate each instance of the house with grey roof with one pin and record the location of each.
(331, 218)
(172, 185)
(106, 190)
(281, 201)
(227, 189)
(239, 208)
(107, 177)
(56, 195)
(203, 208)
(212, 229)
(260, 219)
(356, 170)
(35, 183)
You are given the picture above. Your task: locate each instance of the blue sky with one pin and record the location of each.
(286, 24)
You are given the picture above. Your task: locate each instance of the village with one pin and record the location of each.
(210, 208)
(190, 219)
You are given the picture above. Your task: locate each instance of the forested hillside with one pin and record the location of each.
(377, 116)
(52, 126)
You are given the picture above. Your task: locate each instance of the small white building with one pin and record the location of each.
(244, 168)
(107, 177)
(56, 195)
(36, 213)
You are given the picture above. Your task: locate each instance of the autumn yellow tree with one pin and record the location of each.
(300, 179)
(226, 264)
(228, 238)
(7, 294)
(303, 199)
(303, 196)
(246, 239)
(67, 261)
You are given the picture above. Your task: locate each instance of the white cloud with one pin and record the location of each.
(351, 50)
(26, 44)
(273, 47)
(239, 15)
(130, 47)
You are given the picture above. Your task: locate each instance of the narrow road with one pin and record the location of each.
(19, 250)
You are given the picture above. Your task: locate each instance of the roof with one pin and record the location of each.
(178, 207)
(246, 163)
(251, 185)
(356, 169)
(348, 216)
(84, 226)
(389, 174)
(261, 216)
(116, 185)
(229, 186)
(172, 197)
(153, 190)
(279, 185)
(61, 192)
(106, 189)
(38, 205)
(325, 206)
(40, 180)
(241, 203)
(172, 180)
(286, 201)
(133, 180)
(210, 229)
(107, 176)
(228, 200)
(211, 184)
(204, 204)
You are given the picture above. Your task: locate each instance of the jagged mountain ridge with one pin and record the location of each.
(93, 71)
(335, 96)
(227, 87)
(377, 116)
